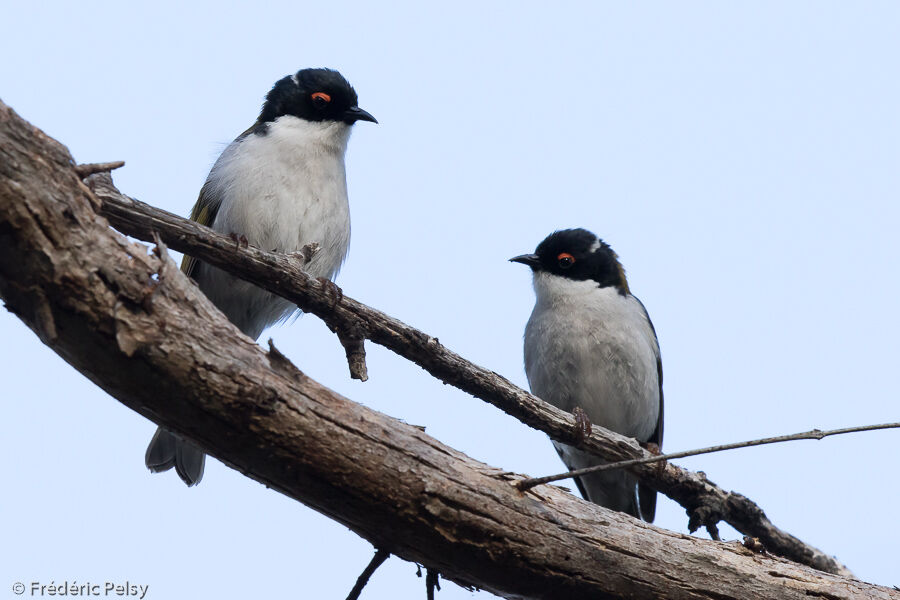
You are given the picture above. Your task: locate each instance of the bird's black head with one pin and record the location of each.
(314, 95)
(577, 254)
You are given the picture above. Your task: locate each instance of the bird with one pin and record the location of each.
(280, 185)
(590, 345)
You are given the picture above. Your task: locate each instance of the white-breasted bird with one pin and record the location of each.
(280, 185)
(589, 343)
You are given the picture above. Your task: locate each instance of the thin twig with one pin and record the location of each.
(432, 582)
(354, 343)
(815, 434)
(87, 169)
(363, 579)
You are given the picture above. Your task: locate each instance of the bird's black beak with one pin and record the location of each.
(355, 113)
(532, 260)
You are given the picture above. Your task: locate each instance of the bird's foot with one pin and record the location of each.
(754, 545)
(332, 289)
(240, 241)
(582, 424)
(309, 251)
(654, 449)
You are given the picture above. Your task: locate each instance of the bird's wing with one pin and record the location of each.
(646, 495)
(204, 212)
(207, 207)
(657, 436)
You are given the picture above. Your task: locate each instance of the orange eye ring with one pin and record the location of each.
(565, 260)
(321, 96)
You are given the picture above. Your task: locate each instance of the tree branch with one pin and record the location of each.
(705, 503)
(176, 359)
(363, 579)
(88, 169)
(814, 434)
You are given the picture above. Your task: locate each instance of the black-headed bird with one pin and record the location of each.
(280, 186)
(589, 344)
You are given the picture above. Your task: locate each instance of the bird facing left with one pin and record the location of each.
(280, 185)
(589, 344)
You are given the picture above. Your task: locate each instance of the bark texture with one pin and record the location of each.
(135, 325)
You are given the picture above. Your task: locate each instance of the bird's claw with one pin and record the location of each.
(240, 241)
(754, 545)
(653, 448)
(582, 424)
(332, 289)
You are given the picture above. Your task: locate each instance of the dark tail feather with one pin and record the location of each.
(166, 451)
(189, 462)
(647, 503)
(160, 454)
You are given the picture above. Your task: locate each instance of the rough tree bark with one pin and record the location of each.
(133, 324)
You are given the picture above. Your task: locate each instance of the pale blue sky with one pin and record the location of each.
(742, 158)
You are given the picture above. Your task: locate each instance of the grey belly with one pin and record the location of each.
(614, 381)
(609, 373)
(249, 307)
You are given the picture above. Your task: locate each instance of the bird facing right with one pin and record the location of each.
(280, 185)
(590, 344)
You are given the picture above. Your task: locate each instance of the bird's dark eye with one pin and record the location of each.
(320, 100)
(565, 260)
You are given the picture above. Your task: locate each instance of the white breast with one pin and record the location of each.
(287, 188)
(282, 190)
(593, 347)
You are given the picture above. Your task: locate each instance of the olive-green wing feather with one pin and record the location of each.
(207, 207)
(204, 212)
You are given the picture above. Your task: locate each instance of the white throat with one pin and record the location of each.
(550, 289)
(330, 136)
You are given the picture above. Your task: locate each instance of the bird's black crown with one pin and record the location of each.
(314, 95)
(577, 254)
